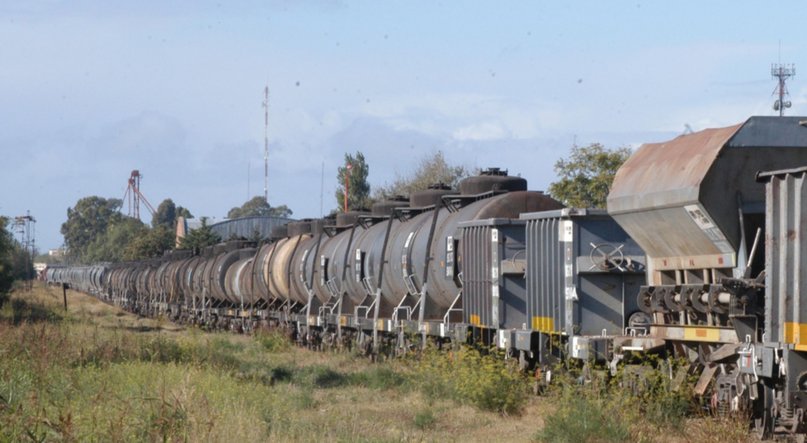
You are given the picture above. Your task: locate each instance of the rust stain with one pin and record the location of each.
(676, 164)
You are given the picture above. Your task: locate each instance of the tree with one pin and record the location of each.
(112, 243)
(586, 177)
(166, 214)
(153, 244)
(358, 192)
(431, 170)
(200, 237)
(87, 221)
(7, 272)
(257, 206)
(183, 212)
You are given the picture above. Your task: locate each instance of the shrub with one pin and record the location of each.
(273, 341)
(425, 419)
(378, 377)
(485, 380)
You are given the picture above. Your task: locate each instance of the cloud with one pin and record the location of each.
(482, 131)
(147, 133)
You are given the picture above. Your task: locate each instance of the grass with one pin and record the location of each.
(97, 373)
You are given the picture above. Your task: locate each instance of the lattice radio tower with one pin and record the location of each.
(782, 72)
(25, 228)
(266, 144)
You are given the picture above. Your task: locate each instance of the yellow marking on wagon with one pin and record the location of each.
(701, 334)
(543, 324)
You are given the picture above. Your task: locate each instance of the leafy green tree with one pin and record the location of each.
(431, 169)
(7, 246)
(183, 212)
(200, 237)
(586, 176)
(257, 206)
(166, 214)
(110, 245)
(358, 188)
(153, 244)
(87, 221)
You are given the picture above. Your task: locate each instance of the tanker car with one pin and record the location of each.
(697, 257)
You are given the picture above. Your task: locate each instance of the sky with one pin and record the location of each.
(92, 89)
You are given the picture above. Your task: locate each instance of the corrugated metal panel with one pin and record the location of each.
(476, 278)
(545, 275)
(786, 224)
(248, 227)
(493, 256)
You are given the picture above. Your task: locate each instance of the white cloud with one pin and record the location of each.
(482, 131)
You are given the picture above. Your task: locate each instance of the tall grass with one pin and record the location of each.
(97, 374)
(92, 374)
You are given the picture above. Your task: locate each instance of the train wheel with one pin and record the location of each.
(524, 362)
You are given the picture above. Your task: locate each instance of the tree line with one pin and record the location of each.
(96, 231)
(583, 179)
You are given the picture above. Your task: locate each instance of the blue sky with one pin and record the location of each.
(94, 89)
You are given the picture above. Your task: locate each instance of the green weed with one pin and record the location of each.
(424, 419)
(485, 380)
(273, 341)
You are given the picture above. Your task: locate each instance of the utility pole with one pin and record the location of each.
(266, 144)
(782, 72)
(347, 182)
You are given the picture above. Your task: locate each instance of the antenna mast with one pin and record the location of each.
(266, 144)
(25, 225)
(322, 188)
(782, 72)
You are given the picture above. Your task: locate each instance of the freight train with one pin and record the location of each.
(697, 257)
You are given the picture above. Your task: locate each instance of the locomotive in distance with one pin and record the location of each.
(697, 257)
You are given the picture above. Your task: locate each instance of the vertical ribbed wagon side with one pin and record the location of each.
(583, 272)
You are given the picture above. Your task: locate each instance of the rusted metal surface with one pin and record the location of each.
(668, 173)
(682, 200)
(657, 190)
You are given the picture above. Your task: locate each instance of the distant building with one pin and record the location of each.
(251, 228)
(58, 252)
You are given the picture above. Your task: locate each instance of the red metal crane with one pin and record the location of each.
(135, 196)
